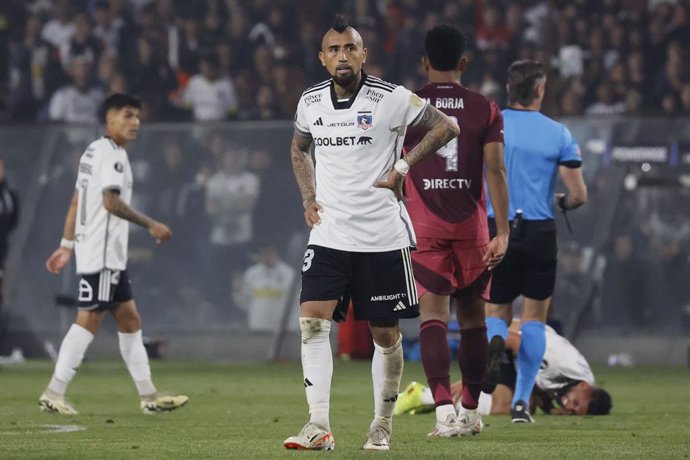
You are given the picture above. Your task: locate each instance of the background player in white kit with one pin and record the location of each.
(361, 235)
(97, 227)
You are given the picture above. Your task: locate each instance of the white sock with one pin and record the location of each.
(71, 354)
(137, 361)
(317, 368)
(386, 372)
(427, 397)
(442, 412)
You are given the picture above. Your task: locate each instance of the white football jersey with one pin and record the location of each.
(562, 364)
(101, 238)
(356, 143)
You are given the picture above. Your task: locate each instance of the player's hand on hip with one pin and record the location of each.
(58, 259)
(311, 213)
(394, 182)
(160, 232)
(495, 251)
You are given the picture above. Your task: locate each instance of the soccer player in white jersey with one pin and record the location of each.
(564, 385)
(359, 247)
(97, 228)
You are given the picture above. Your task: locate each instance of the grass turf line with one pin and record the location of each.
(245, 411)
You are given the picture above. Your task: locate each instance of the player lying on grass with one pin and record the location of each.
(564, 385)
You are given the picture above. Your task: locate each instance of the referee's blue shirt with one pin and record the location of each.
(535, 145)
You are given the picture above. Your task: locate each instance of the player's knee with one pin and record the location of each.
(499, 311)
(129, 323)
(313, 328)
(385, 333)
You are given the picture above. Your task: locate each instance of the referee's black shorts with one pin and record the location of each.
(529, 266)
(380, 284)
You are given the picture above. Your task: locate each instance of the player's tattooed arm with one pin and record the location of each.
(441, 130)
(303, 167)
(114, 205)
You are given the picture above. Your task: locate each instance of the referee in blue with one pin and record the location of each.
(537, 149)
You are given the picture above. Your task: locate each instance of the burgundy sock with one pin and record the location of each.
(433, 343)
(473, 355)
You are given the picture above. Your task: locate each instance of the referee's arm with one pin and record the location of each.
(575, 184)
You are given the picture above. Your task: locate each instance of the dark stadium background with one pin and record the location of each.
(618, 77)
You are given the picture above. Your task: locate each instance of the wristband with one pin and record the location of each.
(562, 203)
(402, 167)
(65, 243)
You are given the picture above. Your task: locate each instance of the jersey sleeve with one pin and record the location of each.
(113, 170)
(495, 131)
(301, 124)
(403, 107)
(570, 152)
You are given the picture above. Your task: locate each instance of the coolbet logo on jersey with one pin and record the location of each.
(364, 120)
(334, 141)
(436, 184)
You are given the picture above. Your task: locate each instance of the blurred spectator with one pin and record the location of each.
(634, 102)
(210, 96)
(9, 217)
(59, 30)
(669, 104)
(107, 27)
(231, 195)
(106, 68)
(151, 77)
(189, 46)
(571, 103)
(492, 32)
(260, 42)
(625, 296)
(685, 100)
(673, 73)
(266, 106)
(82, 44)
(276, 186)
(78, 101)
(265, 289)
(605, 103)
(35, 73)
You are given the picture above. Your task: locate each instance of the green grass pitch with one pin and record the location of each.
(245, 411)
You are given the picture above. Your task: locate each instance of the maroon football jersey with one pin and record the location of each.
(445, 192)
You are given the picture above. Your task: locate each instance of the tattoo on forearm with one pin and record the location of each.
(123, 211)
(303, 166)
(430, 117)
(441, 130)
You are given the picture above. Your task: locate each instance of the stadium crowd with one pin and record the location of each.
(249, 60)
